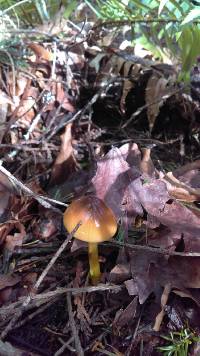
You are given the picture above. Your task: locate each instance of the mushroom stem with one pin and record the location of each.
(94, 262)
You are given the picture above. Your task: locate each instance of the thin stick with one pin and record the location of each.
(41, 199)
(74, 291)
(51, 263)
(160, 251)
(72, 323)
(20, 311)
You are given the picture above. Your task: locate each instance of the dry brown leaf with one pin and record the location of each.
(110, 180)
(180, 190)
(132, 71)
(126, 316)
(155, 90)
(12, 241)
(131, 154)
(41, 52)
(146, 164)
(65, 163)
(164, 300)
(6, 280)
(62, 98)
(21, 84)
(149, 270)
(49, 226)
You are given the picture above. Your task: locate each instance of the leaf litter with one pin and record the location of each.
(66, 133)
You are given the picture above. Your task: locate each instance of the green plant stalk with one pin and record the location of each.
(94, 263)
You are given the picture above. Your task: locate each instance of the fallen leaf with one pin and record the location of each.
(41, 52)
(12, 241)
(156, 89)
(146, 164)
(7, 280)
(149, 270)
(181, 190)
(63, 98)
(126, 316)
(65, 163)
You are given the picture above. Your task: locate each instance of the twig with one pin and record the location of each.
(41, 199)
(51, 263)
(164, 299)
(53, 70)
(28, 32)
(35, 313)
(139, 110)
(66, 345)
(128, 353)
(20, 311)
(77, 342)
(74, 291)
(161, 251)
(111, 23)
(17, 312)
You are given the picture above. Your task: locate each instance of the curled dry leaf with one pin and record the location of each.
(12, 241)
(156, 89)
(40, 52)
(131, 154)
(180, 190)
(65, 163)
(50, 224)
(146, 164)
(164, 300)
(154, 197)
(63, 99)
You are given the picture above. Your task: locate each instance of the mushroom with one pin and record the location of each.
(98, 224)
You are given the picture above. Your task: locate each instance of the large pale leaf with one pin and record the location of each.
(192, 15)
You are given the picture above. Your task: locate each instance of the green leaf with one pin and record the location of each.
(161, 6)
(69, 9)
(185, 42)
(97, 13)
(193, 15)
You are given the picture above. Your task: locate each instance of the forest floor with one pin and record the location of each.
(79, 116)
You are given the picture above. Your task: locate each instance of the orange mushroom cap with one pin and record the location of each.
(98, 222)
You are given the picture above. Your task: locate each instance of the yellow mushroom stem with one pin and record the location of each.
(94, 262)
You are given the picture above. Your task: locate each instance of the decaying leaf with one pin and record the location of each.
(164, 300)
(180, 190)
(6, 280)
(126, 316)
(41, 52)
(149, 270)
(146, 164)
(65, 163)
(16, 239)
(155, 91)
(62, 98)
(113, 168)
